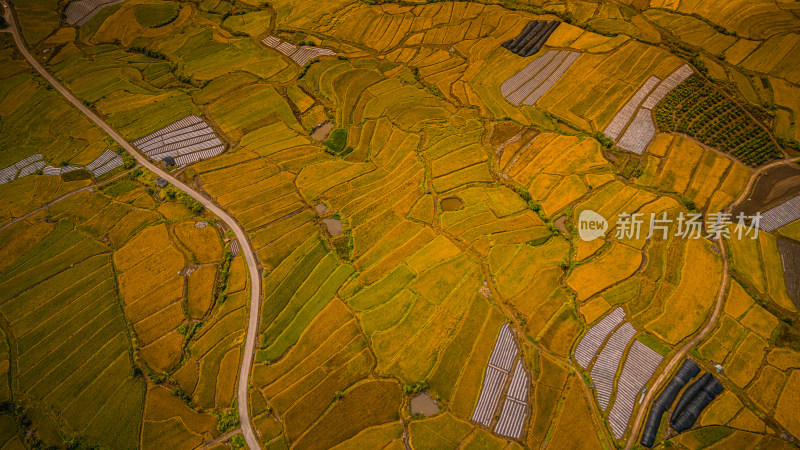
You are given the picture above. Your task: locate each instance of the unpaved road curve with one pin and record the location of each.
(712, 322)
(247, 250)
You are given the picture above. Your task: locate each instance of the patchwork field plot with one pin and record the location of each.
(59, 298)
(679, 164)
(751, 20)
(300, 55)
(186, 141)
(530, 84)
(423, 239)
(531, 39)
(790, 256)
(149, 266)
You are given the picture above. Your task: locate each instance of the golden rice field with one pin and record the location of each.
(392, 251)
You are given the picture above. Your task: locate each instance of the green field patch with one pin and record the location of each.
(156, 15)
(444, 431)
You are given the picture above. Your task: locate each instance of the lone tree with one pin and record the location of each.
(3, 23)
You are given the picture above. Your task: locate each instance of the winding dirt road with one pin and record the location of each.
(712, 322)
(247, 250)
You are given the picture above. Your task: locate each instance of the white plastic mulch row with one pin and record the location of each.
(640, 133)
(32, 168)
(22, 168)
(107, 156)
(669, 83)
(594, 338)
(624, 115)
(531, 83)
(781, 215)
(50, 170)
(271, 41)
(640, 364)
(300, 55)
(491, 389)
(197, 129)
(521, 77)
(505, 349)
(500, 363)
(605, 368)
(183, 123)
(8, 174)
(188, 140)
(197, 156)
(235, 248)
(515, 408)
(554, 59)
(80, 11)
(642, 129)
(28, 161)
(552, 79)
(115, 162)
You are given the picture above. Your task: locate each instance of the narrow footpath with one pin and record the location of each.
(241, 236)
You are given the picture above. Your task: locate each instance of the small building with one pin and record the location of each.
(168, 161)
(161, 182)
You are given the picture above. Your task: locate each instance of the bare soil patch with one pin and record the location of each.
(321, 132)
(334, 226)
(771, 188)
(790, 255)
(424, 404)
(452, 204)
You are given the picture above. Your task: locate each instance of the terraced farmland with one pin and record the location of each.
(408, 179)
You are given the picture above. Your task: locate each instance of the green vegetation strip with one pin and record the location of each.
(698, 109)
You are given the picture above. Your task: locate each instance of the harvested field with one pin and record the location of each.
(300, 55)
(531, 38)
(186, 141)
(790, 256)
(605, 368)
(424, 404)
(771, 188)
(640, 364)
(590, 343)
(530, 84)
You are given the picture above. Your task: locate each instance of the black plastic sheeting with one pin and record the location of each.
(532, 37)
(692, 411)
(687, 371)
(687, 396)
